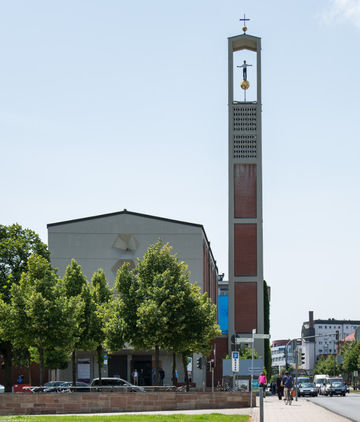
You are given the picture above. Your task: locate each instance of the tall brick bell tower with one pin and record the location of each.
(246, 299)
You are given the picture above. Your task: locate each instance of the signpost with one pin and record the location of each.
(235, 361)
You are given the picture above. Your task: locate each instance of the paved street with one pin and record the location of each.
(348, 406)
(302, 410)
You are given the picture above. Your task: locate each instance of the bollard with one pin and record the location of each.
(261, 403)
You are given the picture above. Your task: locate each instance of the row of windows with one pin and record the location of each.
(244, 156)
(245, 142)
(347, 327)
(247, 110)
(245, 119)
(248, 128)
(245, 137)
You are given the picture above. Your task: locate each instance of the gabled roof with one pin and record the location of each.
(136, 214)
(125, 211)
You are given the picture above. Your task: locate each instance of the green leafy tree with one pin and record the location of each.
(197, 325)
(77, 288)
(158, 304)
(351, 353)
(267, 349)
(246, 353)
(328, 366)
(102, 296)
(42, 316)
(16, 246)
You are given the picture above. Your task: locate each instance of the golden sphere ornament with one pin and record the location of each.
(245, 84)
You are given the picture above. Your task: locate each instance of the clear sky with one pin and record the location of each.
(107, 105)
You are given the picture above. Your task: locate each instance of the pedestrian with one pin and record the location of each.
(279, 387)
(262, 382)
(288, 383)
(136, 377)
(162, 376)
(176, 376)
(273, 388)
(141, 377)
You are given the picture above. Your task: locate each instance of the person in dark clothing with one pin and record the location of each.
(161, 376)
(279, 388)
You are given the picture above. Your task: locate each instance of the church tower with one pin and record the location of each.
(246, 295)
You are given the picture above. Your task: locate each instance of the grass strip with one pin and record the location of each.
(212, 417)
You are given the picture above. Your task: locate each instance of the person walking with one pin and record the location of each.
(262, 382)
(279, 388)
(288, 384)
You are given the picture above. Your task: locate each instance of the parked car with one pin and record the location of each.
(334, 386)
(111, 384)
(2, 389)
(307, 389)
(48, 387)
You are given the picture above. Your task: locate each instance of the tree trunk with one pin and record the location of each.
(184, 359)
(29, 374)
(41, 353)
(73, 367)
(173, 368)
(7, 356)
(157, 352)
(100, 360)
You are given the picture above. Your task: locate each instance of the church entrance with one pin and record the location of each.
(143, 364)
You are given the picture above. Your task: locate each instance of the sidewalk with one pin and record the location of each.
(276, 410)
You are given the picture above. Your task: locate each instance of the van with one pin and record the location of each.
(320, 380)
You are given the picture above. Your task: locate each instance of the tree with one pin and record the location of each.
(196, 327)
(327, 366)
(351, 352)
(267, 349)
(102, 296)
(161, 309)
(42, 316)
(77, 288)
(16, 246)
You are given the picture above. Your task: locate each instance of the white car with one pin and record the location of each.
(2, 389)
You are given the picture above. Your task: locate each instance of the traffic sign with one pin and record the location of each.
(254, 369)
(261, 336)
(235, 361)
(243, 340)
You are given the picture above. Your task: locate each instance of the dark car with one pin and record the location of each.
(112, 384)
(336, 388)
(307, 389)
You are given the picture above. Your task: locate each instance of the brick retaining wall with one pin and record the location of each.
(51, 403)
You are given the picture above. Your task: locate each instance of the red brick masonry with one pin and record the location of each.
(51, 403)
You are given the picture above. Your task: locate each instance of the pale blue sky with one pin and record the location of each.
(107, 105)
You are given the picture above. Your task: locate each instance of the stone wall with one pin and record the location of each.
(52, 403)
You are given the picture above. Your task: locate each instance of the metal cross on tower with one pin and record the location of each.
(244, 19)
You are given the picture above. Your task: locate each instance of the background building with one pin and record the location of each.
(320, 337)
(282, 354)
(108, 241)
